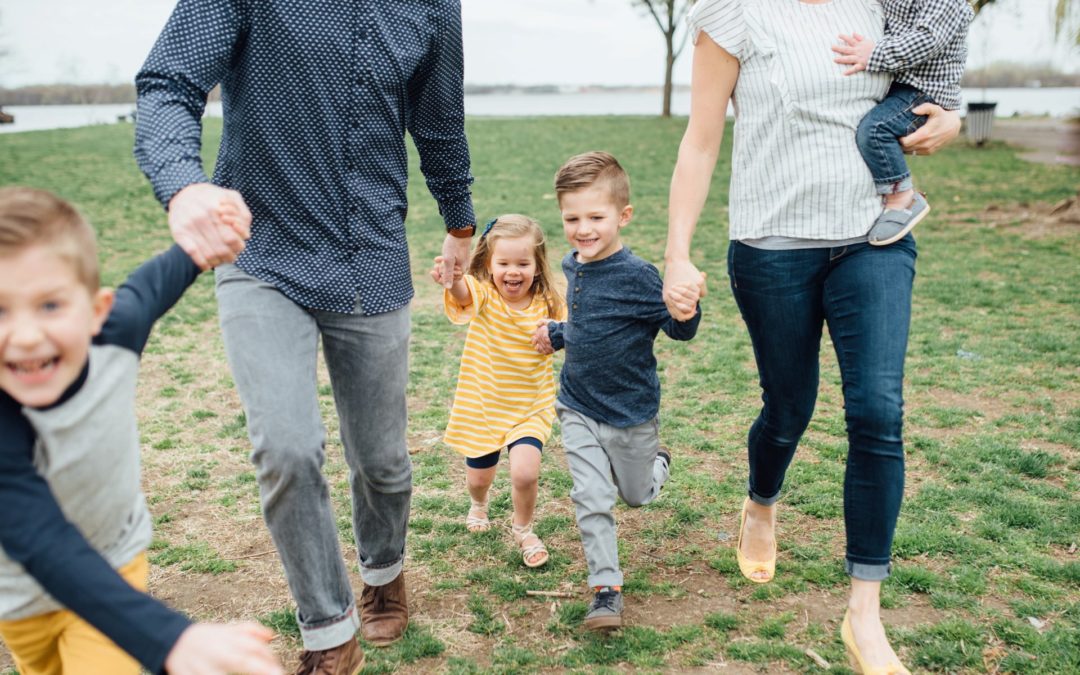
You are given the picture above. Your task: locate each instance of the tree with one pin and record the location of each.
(669, 16)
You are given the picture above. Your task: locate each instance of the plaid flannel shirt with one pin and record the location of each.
(925, 46)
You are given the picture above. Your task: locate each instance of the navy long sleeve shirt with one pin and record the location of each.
(34, 531)
(615, 310)
(317, 97)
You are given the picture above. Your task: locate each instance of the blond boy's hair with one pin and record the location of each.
(31, 217)
(514, 226)
(594, 168)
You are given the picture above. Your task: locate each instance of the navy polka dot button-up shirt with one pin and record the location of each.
(317, 97)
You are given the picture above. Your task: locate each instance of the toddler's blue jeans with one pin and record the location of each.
(879, 136)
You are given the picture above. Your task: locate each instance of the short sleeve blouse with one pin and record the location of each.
(796, 171)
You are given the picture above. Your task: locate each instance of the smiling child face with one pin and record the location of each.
(592, 221)
(47, 320)
(513, 267)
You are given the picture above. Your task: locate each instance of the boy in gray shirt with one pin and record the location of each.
(609, 393)
(74, 525)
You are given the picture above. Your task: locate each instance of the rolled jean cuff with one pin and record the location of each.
(902, 184)
(864, 572)
(380, 576)
(330, 633)
(758, 499)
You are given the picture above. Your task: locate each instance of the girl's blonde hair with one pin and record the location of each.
(516, 226)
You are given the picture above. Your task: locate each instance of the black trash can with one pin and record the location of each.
(980, 121)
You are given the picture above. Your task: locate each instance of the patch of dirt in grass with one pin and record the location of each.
(1031, 220)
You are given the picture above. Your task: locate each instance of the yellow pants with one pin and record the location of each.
(60, 642)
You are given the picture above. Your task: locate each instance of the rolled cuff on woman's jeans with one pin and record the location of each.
(864, 572)
(758, 499)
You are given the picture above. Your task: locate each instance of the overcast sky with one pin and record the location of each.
(506, 41)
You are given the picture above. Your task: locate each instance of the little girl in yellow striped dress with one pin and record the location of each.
(506, 389)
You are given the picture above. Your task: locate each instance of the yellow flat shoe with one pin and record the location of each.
(857, 664)
(750, 567)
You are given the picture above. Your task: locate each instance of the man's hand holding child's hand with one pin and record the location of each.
(437, 271)
(855, 52)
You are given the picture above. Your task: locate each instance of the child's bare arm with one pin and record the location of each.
(459, 289)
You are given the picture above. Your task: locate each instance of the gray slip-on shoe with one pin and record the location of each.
(893, 224)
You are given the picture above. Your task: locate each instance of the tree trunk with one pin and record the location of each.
(669, 67)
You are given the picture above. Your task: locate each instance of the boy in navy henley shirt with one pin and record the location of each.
(609, 393)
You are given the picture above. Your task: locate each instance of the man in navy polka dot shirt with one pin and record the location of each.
(317, 98)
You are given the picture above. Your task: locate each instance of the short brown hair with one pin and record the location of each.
(30, 217)
(592, 168)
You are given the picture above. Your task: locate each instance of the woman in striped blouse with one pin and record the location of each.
(505, 395)
(800, 205)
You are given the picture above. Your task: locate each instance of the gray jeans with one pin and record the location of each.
(606, 461)
(272, 347)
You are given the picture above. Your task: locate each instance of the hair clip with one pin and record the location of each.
(487, 228)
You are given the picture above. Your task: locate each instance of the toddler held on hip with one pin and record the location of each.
(505, 394)
(924, 48)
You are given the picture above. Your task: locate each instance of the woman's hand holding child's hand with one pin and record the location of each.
(687, 295)
(541, 339)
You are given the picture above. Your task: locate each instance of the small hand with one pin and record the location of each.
(196, 224)
(455, 253)
(855, 52)
(438, 270)
(941, 127)
(688, 294)
(682, 275)
(541, 339)
(235, 214)
(218, 649)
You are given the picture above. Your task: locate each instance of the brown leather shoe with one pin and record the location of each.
(384, 612)
(347, 659)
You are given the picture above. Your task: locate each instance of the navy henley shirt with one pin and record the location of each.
(615, 309)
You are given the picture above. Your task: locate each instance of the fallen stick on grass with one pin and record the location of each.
(551, 594)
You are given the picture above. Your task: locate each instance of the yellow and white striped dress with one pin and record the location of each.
(505, 389)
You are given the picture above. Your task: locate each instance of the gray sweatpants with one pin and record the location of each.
(272, 346)
(606, 462)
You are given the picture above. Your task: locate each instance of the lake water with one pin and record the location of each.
(1056, 102)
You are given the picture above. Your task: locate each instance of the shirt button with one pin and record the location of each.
(575, 305)
(581, 274)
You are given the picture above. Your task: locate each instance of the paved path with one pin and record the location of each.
(1045, 139)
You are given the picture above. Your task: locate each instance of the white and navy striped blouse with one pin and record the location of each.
(796, 174)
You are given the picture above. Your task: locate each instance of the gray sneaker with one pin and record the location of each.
(605, 612)
(893, 224)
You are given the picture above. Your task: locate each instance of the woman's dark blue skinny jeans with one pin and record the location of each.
(863, 294)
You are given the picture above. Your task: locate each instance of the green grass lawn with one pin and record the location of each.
(987, 577)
